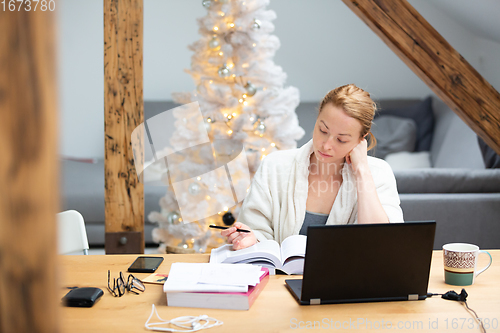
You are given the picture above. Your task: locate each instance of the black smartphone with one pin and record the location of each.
(145, 264)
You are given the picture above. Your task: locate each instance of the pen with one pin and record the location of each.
(219, 227)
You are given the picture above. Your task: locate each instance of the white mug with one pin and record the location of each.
(460, 263)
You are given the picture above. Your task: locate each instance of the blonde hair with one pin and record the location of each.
(357, 104)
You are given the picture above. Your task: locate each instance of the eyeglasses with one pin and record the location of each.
(132, 284)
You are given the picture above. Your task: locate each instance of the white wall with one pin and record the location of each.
(326, 45)
(81, 77)
(169, 27)
(489, 61)
(323, 45)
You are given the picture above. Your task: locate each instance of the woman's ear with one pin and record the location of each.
(362, 137)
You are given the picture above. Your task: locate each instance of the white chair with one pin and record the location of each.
(71, 233)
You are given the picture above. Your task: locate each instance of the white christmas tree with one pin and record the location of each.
(246, 113)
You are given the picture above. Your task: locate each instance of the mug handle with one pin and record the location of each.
(487, 266)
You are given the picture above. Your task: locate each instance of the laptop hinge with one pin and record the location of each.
(413, 297)
(315, 301)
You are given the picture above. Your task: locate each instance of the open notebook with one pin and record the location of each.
(288, 258)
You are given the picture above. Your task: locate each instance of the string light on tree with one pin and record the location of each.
(206, 3)
(208, 124)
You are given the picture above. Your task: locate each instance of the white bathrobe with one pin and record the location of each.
(275, 206)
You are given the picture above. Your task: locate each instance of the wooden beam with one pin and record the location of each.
(123, 112)
(436, 62)
(28, 172)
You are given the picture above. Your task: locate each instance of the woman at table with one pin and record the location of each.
(329, 180)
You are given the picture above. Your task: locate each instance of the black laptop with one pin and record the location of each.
(365, 263)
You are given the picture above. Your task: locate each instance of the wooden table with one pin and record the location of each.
(276, 310)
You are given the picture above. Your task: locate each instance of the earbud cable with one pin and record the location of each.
(462, 298)
(187, 323)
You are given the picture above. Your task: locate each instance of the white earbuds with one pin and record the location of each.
(187, 323)
(196, 326)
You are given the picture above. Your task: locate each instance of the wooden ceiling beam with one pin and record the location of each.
(436, 62)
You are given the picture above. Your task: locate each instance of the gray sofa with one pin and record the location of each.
(456, 190)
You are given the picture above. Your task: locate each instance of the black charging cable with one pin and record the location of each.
(462, 297)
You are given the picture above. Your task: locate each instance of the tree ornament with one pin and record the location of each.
(261, 127)
(174, 217)
(228, 218)
(206, 3)
(251, 89)
(224, 71)
(214, 43)
(256, 24)
(194, 189)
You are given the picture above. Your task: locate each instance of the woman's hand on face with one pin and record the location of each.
(240, 240)
(357, 158)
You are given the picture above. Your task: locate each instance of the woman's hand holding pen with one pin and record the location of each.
(240, 240)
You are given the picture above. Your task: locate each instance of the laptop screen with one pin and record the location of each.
(368, 262)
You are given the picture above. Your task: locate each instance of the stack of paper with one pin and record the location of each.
(211, 277)
(220, 286)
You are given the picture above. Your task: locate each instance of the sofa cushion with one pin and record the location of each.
(434, 180)
(460, 217)
(409, 160)
(490, 157)
(454, 144)
(393, 134)
(423, 116)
